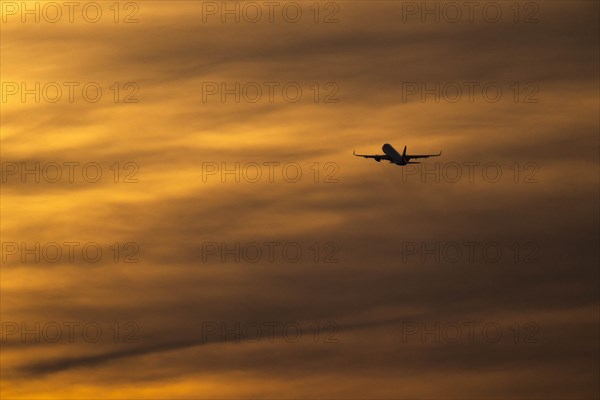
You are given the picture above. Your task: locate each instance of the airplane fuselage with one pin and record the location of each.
(396, 157)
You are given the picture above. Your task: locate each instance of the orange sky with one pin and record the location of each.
(210, 133)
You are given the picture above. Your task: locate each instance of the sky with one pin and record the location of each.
(182, 215)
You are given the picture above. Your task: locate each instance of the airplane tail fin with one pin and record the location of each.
(404, 152)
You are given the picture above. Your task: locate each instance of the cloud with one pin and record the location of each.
(382, 220)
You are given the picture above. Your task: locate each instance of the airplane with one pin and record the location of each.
(394, 157)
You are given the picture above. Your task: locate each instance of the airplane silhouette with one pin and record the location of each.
(394, 157)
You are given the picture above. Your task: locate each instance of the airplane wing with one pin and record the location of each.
(375, 156)
(424, 155)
